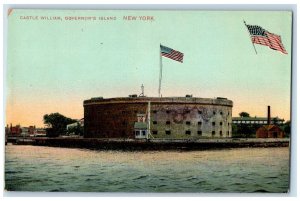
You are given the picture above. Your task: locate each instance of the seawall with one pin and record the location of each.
(157, 144)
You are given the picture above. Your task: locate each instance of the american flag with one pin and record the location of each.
(170, 53)
(261, 36)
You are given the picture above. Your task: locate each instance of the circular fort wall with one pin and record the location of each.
(169, 118)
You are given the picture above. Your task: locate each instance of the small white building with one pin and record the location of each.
(79, 122)
(140, 127)
(24, 131)
(40, 132)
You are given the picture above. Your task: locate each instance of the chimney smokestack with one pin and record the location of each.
(269, 115)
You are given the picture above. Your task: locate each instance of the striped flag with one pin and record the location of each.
(261, 36)
(170, 53)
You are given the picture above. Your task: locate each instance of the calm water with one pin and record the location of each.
(33, 168)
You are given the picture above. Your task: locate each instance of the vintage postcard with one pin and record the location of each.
(149, 101)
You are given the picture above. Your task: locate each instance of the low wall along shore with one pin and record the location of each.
(155, 144)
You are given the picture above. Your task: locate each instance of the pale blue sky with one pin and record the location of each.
(54, 65)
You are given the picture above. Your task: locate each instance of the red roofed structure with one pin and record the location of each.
(269, 131)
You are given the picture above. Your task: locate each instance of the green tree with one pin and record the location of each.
(287, 128)
(234, 130)
(275, 121)
(244, 130)
(57, 124)
(244, 114)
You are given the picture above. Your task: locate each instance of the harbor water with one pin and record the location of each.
(244, 170)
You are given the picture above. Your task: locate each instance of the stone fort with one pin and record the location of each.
(170, 117)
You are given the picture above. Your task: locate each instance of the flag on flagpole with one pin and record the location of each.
(171, 54)
(262, 37)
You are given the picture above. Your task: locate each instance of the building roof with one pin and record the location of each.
(254, 118)
(269, 127)
(73, 124)
(170, 100)
(140, 125)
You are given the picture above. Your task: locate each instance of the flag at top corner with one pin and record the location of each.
(262, 37)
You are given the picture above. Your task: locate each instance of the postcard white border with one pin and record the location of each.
(259, 6)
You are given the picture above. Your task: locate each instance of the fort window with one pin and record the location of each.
(168, 111)
(188, 123)
(214, 112)
(221, 113)
(137, 133)
(199, 123)
(199, 132)
(200, 112)
(144, 133)
(187, 111)
(168, 122)
(154, 122)
(227, 133)
(213, 132)
(213, 123)
(154, 132)
(221, 133)
(221, 123)
(188, 132)
(228, 124)
(168, 132)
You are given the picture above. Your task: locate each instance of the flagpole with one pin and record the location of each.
(149, 110)
(160, 71)
(250, 37)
